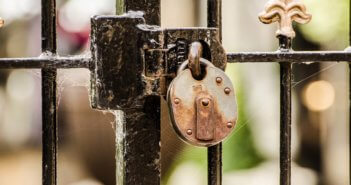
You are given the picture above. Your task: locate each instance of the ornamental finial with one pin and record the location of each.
(285, 12)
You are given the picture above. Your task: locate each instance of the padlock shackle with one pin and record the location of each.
(185, 64)
(195, 53)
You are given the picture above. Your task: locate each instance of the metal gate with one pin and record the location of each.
(132, 64)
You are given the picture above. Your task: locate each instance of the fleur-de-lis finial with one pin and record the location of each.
(285, 12)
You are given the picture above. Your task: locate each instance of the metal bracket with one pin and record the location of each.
(133, 60)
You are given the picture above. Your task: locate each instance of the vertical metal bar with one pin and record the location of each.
(151, 8)
(349, 94)
(285, 114)
(214, 159)
(214, 153)
(214, 15)
(138, 129)
(48, 85)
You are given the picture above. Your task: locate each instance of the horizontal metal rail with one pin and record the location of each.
(240, 57)
(46, 62)
(297, 56)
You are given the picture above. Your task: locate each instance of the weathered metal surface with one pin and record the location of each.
(117, 77)
(285, 113)
(126, 74)
(285, 123)
(151, 9)
(183, 96)
(214, 160)
(48, 84)
(285, 12)
(349, 95)
(209, 37)
(205, 125)
(292, 57)
(49, 127)
(138, 142)
(47, 62)
(149, 58)
(195, 54)
(214, 15)
(214, 153)
(138, 145)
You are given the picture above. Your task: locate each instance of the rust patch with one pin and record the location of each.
(203, 115)
(204, 123)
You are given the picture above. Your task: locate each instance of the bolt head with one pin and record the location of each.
(176, 100)
(227, 90)
(205, 102)
(230, 125)
(219, 80)
(189, 132)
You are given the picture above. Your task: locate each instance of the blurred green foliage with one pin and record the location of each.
(329, 26)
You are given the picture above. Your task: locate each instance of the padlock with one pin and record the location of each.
(203, 108)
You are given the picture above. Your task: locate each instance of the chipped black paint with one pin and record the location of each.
(208, 36)
(127, 71)
(142, 158)
(49, 104)
(151, 9)
(121, 81)
(116, 80)
(289, 57)
(46, 62)
(132, 65)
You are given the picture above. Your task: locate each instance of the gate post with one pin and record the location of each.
(138, 149)
(120, 86)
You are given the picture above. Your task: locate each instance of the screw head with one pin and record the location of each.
(189, 132)
(176, 100)
(227, 90)
(205, 102)
(229, 124)
(219, 80)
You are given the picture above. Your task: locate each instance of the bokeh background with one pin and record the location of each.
(320, 138)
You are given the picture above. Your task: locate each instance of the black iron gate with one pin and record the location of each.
(131, 65)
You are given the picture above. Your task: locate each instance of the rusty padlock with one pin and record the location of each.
(201, 101)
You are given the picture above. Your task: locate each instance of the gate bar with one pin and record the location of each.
(138, 135)
(151, 8)
(295, 56)
(48, 86)
(285, 114)
(46, 62)
(214, 153)
(349, 94)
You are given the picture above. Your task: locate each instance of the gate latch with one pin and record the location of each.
(133, 60)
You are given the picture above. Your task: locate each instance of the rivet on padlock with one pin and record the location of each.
(202, 101)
